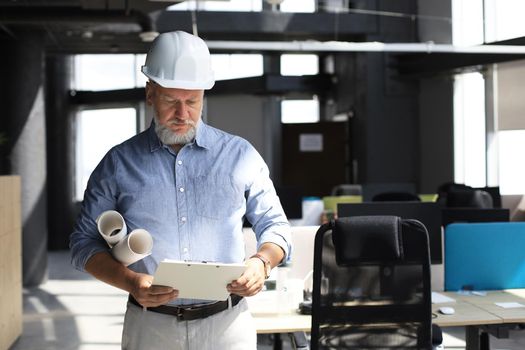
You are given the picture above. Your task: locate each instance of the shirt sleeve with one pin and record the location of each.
(99, 196)
(263, 207)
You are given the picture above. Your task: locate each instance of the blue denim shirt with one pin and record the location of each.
(191, 202)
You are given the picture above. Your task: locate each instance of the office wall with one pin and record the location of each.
(391, 124)
(384, 137)
(60, 150)
(435, 27)
(240, 115)
(510, 102)
(436, 103)
(402, 130)
(436, 130)
(23, 119)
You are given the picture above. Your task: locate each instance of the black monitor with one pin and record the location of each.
(428, 213)
(291, 200)
(451, 215)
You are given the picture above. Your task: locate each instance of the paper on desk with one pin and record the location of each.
(438, 298)
(510, 305)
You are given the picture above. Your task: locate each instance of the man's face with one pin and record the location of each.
(177, 112)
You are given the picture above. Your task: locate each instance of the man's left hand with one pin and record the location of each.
(251, 281)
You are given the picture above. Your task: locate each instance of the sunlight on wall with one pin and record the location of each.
(469, 130)
(511, 161)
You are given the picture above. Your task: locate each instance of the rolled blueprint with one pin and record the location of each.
(112, 227)
(135, 246)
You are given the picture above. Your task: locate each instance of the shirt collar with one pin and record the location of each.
(203, 137)
(154, 142)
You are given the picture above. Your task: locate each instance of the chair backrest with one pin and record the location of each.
(371, 289)
(455, 195)
(471, 198)
(347, 190)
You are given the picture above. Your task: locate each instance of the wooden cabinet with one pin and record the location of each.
(10, 261)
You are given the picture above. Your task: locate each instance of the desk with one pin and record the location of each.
(282, 323)
(473, 312)
(476, 313)
(515, 315)
(270, 318)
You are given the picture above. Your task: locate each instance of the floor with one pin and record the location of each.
(72, 311)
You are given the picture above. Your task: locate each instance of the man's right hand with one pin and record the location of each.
(149, 295)
(105, 268)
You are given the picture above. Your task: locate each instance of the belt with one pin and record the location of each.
(188, 313)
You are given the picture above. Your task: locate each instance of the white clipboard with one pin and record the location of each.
(198, 280)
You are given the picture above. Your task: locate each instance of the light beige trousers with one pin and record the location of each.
(231, 329)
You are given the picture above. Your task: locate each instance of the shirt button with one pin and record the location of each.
(179, 162)
(181, 189)
(183, 219)
(185, 250)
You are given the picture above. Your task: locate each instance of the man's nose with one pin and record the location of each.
(181, 111)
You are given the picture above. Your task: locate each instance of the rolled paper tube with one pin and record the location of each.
(112, 227)
(135, 246)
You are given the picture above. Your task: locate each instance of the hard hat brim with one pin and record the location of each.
(179, 84)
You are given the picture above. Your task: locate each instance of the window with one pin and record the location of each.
(300, 111)
(299, 64)
(298, 6)
(467, 22)
(236, 65)
(108, 72)
(504, 19)
(97, 131)
(231, 5)
(470, 152)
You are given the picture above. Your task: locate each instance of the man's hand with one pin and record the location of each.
(105, 268)
(149, 295)
(252, 280)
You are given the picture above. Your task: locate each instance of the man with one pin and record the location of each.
(189, 185)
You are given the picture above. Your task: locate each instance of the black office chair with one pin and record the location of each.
(453, 195)
(371, 287)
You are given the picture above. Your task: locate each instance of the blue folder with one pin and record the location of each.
(485, 256)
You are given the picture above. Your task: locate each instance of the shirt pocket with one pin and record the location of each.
(216, 197)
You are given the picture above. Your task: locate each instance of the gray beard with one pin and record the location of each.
(168, 137)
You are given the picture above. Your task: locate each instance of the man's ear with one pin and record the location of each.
(149, 93)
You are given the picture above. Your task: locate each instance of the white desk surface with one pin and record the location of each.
(487, 303)
(270, 317)
(465, 315)
(470, 310)
(282, 323)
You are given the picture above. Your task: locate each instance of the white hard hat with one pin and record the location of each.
(179, 60)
